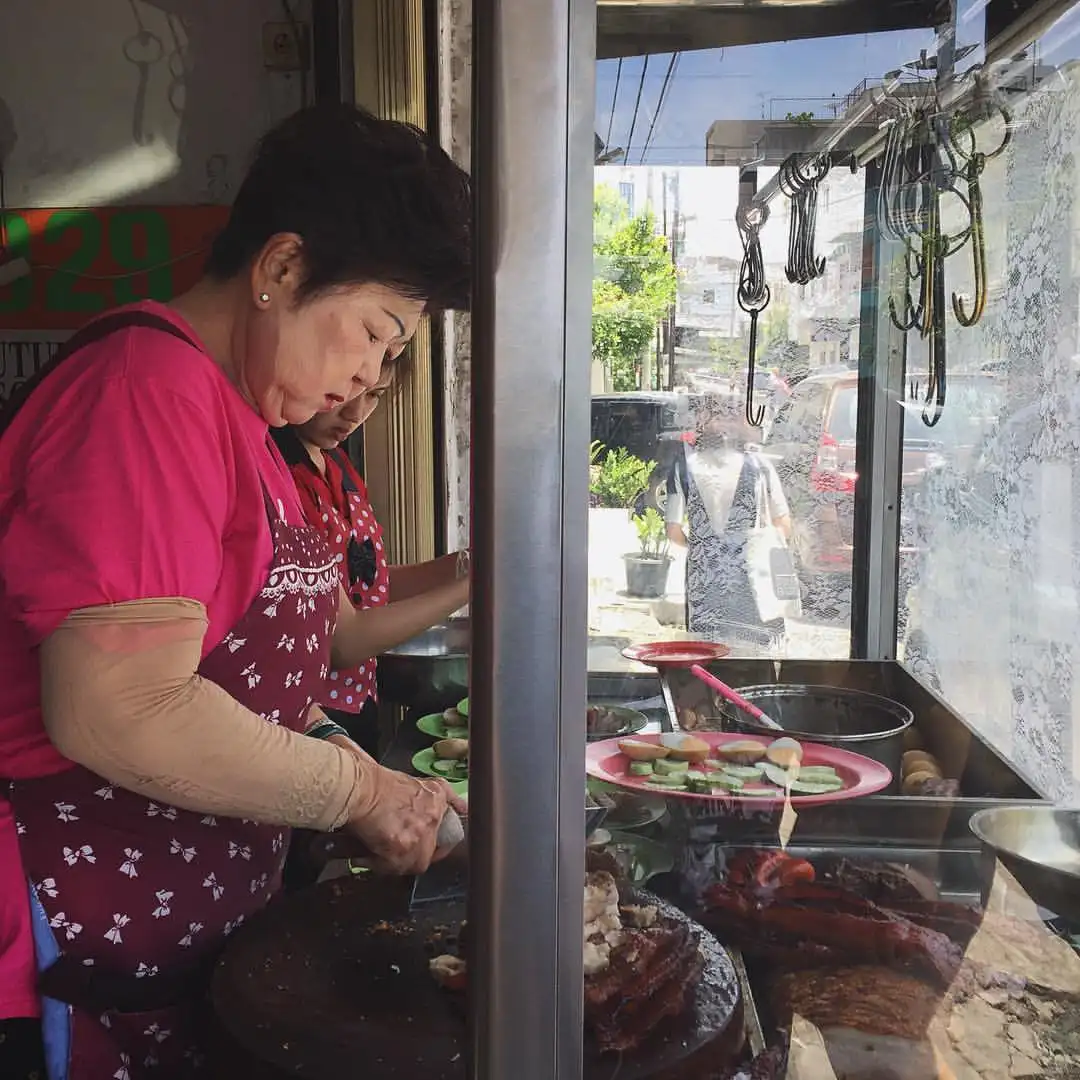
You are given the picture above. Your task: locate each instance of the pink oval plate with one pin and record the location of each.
(660, 654)
(861, 775)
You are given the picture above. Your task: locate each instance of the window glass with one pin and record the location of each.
(991, 498)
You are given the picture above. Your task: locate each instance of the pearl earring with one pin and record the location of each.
(264, 298)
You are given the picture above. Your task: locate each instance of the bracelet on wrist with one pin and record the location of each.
(323, 729)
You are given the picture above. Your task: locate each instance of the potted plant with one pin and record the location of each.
(616, 477)
(647, 569)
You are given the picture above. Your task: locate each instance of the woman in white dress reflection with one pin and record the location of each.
(716, 490)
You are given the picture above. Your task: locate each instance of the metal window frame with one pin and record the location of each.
(879, 449)
(534, 92)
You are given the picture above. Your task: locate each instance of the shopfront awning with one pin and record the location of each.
(633, 28)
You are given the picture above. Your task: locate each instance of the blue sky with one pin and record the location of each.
(740, 84)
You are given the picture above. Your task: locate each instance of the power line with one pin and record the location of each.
(614, 102)
(637, 105)
(672, 64)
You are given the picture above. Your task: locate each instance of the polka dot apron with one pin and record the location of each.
(133, 898)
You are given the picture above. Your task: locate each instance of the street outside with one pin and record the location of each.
(617, 620)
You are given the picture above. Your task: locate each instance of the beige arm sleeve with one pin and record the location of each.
(119, 695)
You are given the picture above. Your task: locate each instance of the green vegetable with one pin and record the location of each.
(814, 773)
(664, 767)
(677, 781)
(810, 787)
(775, 775)
(726, 780)
(457, 732)
(641, 768)
(766, 792)
(699, 785)
(744, 772)
(444, 768)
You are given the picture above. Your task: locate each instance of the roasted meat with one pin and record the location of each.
(873, 1000)
(882, 882)
(845, 924)
(767, 869)
(641, 968)
(656, 971)
(956, 921)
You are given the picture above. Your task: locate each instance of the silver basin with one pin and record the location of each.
(429, 672)
(1040, 847)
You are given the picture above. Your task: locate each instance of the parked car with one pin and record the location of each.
(811, 441)
(651, 425)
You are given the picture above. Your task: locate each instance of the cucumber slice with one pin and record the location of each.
(744, 772)
(664, 767)
(641, 768)
(775, 775)
(760, 791)
(816, 772)
(444, 768)
(673, 783)
(726, 780)
(699, 785)
(809, 787)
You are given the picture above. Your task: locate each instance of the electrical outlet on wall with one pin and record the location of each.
(285, 46)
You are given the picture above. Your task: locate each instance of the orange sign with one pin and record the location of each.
(85, 261)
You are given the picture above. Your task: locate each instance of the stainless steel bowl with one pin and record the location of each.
(1040, 847)
(632, 722)
(429, 672)
(597, 808)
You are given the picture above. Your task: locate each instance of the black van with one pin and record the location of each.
(650, 424)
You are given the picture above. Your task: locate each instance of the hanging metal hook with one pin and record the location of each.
(978, 248)
(753, 295)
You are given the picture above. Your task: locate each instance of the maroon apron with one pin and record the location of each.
(140, 895)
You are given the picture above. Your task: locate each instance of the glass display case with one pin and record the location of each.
(830, 368)
(775, 338)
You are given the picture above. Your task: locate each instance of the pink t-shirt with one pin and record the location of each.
(136, 470)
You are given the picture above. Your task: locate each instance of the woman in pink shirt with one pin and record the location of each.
(167, 619)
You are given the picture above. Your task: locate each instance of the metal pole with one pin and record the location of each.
(833, 138)
(676, 225)
(533, 106)
(879, 450)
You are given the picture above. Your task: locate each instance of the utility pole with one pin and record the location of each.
(676, 225)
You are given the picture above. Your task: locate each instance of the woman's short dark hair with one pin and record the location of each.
(375, 201)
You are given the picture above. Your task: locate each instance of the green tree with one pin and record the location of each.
(729, 354)
(633, 288)
(774, 323)
(610, 213)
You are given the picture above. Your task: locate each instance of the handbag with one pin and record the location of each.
(769, 562)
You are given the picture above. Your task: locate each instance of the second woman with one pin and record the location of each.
(398, 602)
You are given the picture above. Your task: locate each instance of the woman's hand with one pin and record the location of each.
(401, 818)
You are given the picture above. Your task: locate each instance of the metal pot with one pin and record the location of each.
(866, 724)
(429, 672)
(1040, 847)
